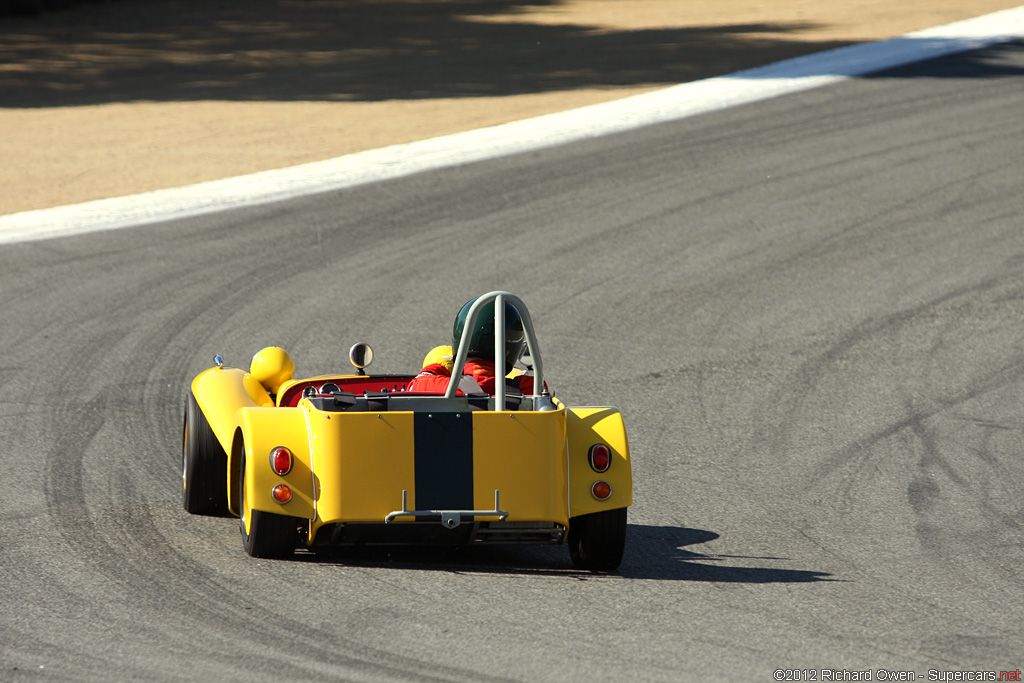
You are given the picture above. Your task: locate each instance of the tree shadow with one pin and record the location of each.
(349, 50)
(1001, 60)
(652, 553)
(370, 50)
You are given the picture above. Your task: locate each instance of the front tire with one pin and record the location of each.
(598, 540)
(204, 464)
(264, 534)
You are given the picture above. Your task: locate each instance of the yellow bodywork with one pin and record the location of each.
(522, 454)
(353, 466)
(586, 427)
(221, 392)
(262, 430)
(362, 462)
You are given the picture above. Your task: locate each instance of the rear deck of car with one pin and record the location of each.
(411, 459)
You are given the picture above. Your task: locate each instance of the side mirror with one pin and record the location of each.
(360, 355)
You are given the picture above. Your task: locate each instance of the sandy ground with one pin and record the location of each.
(125, 96)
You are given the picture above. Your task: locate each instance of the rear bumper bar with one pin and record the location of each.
(449, 518)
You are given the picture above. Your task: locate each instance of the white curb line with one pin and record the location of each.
(670, 104)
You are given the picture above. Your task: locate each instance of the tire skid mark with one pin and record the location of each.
(856, 454)
(124, 544)
(811, 372)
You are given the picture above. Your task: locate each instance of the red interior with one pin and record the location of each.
(355, 385)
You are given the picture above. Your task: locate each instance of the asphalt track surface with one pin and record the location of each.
(808, 309)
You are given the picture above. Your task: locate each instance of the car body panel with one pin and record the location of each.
(523, 455)
(221, 392)
(261, 431)
(587, 426)
(354, 466)
(361, 462)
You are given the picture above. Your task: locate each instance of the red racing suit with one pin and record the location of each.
(434, 378)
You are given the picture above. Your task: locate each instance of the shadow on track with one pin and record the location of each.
(351, 50)
(652, 553)
(659, 552)
(346, 50)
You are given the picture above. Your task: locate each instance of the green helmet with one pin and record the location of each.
(481, 343)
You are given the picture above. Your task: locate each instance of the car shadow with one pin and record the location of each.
(669, 554)
(658, 553)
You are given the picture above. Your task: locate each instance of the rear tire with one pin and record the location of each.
(597, 541)
(204, 464)
(264, 534)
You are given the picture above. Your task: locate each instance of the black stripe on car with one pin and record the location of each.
(444, 461)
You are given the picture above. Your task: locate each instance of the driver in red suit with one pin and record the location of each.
(480, 365)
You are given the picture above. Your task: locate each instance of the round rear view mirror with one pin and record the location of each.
(360, 355)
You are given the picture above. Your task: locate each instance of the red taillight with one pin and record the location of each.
(281, 493)
(281, 460)
(601, 490)
(600, 457)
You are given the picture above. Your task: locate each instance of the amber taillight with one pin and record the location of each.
(601, 490)
(282, 494)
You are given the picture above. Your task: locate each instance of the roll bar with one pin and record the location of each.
(499, 299)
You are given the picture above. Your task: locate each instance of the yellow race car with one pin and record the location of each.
(359, 459)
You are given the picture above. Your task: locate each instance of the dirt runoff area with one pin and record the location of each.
(124, 96)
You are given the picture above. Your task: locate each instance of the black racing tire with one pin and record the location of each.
(204, 464)
(597, 541)
(264, 534)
